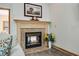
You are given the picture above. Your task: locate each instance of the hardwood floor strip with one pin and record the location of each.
(65, 51)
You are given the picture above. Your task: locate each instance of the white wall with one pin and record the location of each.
(66, 18)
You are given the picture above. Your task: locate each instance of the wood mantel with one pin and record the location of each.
(18, 20)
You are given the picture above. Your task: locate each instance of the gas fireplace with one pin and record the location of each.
(33, 39)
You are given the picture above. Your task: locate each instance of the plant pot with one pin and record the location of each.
(50, 44)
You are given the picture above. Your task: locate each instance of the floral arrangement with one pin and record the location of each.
(46, 37)
(50, 37)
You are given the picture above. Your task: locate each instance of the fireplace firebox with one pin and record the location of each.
(33, 39)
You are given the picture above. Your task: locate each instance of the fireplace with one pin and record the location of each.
(24, 27)
(33, 39)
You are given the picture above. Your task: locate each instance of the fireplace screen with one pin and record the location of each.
(32, 39)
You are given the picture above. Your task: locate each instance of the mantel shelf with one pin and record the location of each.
(18, 20)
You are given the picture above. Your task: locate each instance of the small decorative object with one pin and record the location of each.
(50, 38)
(32, 10)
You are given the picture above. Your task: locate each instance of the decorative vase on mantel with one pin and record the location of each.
(34, 19)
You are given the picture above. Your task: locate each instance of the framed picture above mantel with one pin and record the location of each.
(32, 10)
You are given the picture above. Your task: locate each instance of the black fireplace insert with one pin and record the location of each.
(33, 39)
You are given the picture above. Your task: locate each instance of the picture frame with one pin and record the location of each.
(32, 10)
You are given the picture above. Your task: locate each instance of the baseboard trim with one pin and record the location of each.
(64, 51)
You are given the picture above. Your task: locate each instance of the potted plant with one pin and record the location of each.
(51, 39)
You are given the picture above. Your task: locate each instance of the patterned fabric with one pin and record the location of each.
(5, 45)
(4, 52)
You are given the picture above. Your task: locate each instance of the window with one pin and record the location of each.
(5, 20)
